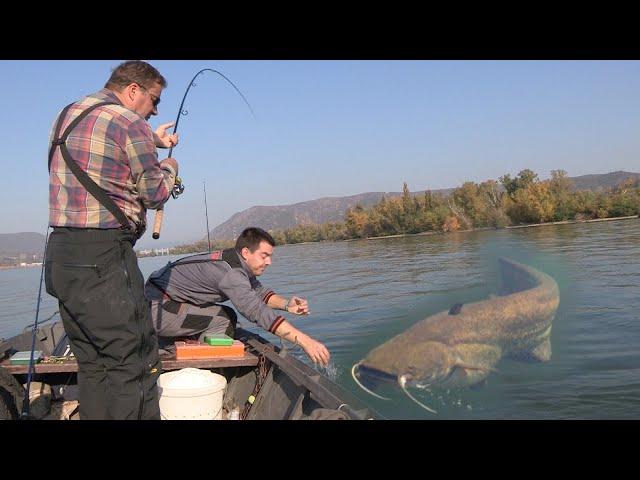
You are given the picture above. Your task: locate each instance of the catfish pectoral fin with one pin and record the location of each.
(542, 353)
(539, 353)
(480, 385)
(468, 366)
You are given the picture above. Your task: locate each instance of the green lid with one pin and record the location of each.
(224, 340)
(23, 357)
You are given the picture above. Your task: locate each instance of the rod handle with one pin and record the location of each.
(157, 223)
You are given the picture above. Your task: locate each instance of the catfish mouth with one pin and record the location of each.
(372, 377)
(369, 378)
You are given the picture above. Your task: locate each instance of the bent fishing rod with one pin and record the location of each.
(178, 187)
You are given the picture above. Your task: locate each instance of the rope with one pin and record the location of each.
(262, 372)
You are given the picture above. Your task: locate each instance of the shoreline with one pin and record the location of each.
(14, 267)
(570, 222)
(479, 229)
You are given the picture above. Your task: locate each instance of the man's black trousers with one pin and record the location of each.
(94, 275)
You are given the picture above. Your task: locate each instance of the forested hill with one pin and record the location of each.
(14, 244)
(332, 209)
(598, 182)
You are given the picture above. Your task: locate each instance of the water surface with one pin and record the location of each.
(364, 292)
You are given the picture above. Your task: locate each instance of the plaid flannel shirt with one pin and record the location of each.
(115, 146)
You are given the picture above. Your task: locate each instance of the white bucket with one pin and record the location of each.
(191, 394)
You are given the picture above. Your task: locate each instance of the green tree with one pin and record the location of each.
(356, 222)
(525, 178)
(560, 187)
(473, 205)
(278, 236)
(428, 200)
(407, 200)
(532, 204)
(495, 201)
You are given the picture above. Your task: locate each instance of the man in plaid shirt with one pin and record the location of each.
(91, 268)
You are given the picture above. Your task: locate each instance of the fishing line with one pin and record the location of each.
(179, 186)
(177, 190)
(206, 213)
(25, 403)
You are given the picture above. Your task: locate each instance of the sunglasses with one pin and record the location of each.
(155, 100)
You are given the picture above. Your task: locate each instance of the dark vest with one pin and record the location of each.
(228, 255)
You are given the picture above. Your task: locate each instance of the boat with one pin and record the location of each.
(267, 383)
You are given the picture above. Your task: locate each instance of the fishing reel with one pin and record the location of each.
(176, 191)
(178, 188)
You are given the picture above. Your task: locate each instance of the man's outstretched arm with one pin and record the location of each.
(316, 351)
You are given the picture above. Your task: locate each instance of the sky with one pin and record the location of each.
(334, 128)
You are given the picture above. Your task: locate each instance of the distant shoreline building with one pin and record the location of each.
(21, 260)
(153, 252)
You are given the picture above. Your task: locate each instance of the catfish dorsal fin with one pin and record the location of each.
(455, 310)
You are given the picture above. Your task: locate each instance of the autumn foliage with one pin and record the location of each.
(521, 200)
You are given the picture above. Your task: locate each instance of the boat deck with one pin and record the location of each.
(169, 362)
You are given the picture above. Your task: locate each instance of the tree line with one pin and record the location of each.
(524, 199)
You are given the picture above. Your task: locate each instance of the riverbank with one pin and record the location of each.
(480, 229)
(570, 222)
(12, 267)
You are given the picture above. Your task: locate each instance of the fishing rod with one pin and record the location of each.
(206, 213)
(26, 402)
(178, 187)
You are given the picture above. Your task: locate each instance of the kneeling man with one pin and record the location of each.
(185, 295)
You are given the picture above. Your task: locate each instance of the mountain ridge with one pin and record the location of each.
(332, 209)
(23, 244)
(276, 217)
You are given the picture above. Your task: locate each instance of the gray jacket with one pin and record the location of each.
(211, 278)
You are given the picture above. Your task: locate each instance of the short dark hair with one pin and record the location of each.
(251, 238)
(134, 71)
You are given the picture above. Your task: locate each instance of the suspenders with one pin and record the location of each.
(99, 194)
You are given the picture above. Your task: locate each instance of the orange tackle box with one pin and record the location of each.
(196, 350)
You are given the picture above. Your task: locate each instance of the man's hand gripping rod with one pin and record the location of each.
(178, 188)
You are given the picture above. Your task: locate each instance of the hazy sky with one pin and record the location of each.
(335, 128)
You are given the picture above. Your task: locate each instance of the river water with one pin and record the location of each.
(362, 293)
